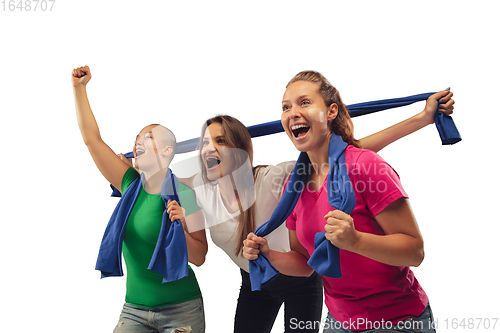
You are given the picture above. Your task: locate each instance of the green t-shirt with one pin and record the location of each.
(144, 287)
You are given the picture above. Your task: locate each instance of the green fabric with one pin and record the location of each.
(144, 287)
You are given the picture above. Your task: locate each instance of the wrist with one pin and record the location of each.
(78, 86)
(269, 254)
(358, 242)
(424, 118)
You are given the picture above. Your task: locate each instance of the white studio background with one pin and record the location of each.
(178, 63)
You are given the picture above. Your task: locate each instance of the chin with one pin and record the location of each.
(213, 175)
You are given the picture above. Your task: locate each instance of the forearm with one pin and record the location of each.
(197, 249)
(394, 249)
(290, 263)
(379, 140)
(86, 121)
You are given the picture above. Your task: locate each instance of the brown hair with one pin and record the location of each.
(237, 136)
(342, 125)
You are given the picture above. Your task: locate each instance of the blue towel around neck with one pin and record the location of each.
(325, 259)
(170, 257)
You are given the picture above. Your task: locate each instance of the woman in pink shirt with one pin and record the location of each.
(378, 241)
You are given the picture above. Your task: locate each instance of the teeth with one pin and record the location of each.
(295, 127)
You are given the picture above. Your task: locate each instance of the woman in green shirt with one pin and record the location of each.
(150, 305)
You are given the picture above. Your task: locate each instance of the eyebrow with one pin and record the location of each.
(217, 137)
(298, 98)
(150, 132)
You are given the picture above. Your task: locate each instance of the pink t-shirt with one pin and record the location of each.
(368, 291)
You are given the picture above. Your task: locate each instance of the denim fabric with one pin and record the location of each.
(424, 323)
(187, 317)
(257, 310)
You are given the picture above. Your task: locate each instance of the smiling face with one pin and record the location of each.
(305, 117)
(216, 155)
(151, 149)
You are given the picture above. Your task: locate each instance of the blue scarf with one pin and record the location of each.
(170, 257)
(325, 258)
(445, 125)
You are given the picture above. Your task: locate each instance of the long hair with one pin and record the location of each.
(237, 136)
(342, 125)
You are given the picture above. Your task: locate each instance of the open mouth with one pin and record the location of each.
(139, 152)
(299, 130)
(212, 161)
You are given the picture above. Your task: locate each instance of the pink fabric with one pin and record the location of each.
(369, 291)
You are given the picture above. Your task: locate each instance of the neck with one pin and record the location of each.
(154, 181)
(319, 158)
(227, 190)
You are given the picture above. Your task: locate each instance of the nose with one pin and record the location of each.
(294, 112)
(209, 147)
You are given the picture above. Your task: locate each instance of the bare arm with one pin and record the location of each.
(379, 140)
(109, 164)
(187, 181)
(402, 244)
(194, 230)
(293, 263)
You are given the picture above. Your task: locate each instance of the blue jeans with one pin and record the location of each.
(424, 323)
(187, 317)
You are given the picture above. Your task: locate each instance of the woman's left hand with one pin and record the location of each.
(340, 230)
(176, 212)
(440, 101)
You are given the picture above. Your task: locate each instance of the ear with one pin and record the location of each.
(168, 150)
(333, 111)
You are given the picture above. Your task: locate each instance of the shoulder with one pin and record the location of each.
(366, 162)
(272, 178)
(188, 199)
(376, 182)
(361, 156)
(271, 173)
(185, 192)
(128, 178)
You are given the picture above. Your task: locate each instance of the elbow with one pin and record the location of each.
(419, 254)
(200, 259)
(198, 262)
(91, 141)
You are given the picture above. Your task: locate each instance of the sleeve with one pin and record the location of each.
(130, 175)
(275, 177)
(377, 182)
(188, 199)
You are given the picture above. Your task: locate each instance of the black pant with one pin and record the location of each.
(257, 310)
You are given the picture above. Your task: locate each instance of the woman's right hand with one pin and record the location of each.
(81, 76)
(254, 245)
